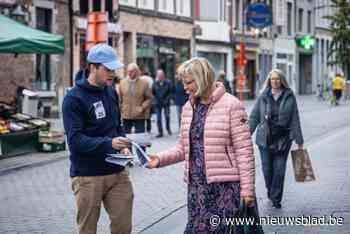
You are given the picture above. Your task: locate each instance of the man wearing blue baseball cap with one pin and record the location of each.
(92, 122)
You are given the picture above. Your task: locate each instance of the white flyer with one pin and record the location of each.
(141, 154)
(119, 159)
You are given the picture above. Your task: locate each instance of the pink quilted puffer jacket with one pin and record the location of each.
(228, 148)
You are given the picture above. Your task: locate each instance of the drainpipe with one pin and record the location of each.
(70, 10)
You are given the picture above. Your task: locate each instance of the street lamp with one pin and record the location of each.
(19, 14)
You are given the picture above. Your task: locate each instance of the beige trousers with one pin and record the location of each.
(114, 191)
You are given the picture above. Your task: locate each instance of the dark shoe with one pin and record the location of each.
(159, 136)
(277, 205)
(130, 164)
(170, 133)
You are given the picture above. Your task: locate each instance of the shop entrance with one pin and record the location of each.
(305, 74)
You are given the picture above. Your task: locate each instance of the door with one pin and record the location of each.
(305, 74)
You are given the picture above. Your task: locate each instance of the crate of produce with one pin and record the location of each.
(51, 147)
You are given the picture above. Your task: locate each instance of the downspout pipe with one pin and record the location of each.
(70, 10)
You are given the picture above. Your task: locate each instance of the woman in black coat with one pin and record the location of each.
(276, 117)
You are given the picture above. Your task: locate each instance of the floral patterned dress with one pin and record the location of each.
(205, 200)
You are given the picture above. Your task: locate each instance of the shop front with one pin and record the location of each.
(164, 53)
(250, 83)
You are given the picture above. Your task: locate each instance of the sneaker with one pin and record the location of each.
(159, 136)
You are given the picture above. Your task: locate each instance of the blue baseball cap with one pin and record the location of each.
(105, 55)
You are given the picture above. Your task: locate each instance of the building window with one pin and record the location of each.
(209, 10)
(128, 2)
(309, 18)
(327, 50)
(238, 13)
(82, 51)
(109, 8)
(289, 18)
(83, 7)
(322, 51)
(166, 6)
(248, 2)
(223, 12)
(183, 7)
(300, 18)
(96, 5)
(217, 60)
(146, 4)
(43, 69)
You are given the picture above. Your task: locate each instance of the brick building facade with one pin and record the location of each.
(44, 74)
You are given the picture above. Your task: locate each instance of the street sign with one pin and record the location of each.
(259, 15)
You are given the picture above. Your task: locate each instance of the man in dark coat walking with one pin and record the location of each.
(162, 90)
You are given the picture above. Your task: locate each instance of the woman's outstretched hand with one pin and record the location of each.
(154, 163)
(249, 200)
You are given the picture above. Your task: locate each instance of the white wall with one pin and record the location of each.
(286, 46)
(215, 31)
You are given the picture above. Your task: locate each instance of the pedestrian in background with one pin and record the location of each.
(162, 90)
(219, 166)
(338, 87)
(91, 119)
(180, 97)
(146, 76)
(276, 117)
(135, 100)
(222, 79)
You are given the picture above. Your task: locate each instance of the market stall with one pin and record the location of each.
(21, 133)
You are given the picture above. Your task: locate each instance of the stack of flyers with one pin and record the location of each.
(142, 139)
(119, 159)
(141, 154)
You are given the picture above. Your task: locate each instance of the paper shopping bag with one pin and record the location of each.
(303, 171)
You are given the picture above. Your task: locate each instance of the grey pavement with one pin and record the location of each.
(36, 196)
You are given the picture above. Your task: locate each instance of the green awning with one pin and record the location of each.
(21, 39)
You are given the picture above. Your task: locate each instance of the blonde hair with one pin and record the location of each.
(202, 73)
(267, 83)
(133, 66)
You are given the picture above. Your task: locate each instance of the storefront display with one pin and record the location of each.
(51, 141)
(19, 133)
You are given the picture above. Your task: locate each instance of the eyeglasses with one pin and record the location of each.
(186, 83)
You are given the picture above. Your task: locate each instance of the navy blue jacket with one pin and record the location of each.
(162, 91)
(181, 96)
(91, 118)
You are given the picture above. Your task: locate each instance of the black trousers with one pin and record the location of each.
(139, 125)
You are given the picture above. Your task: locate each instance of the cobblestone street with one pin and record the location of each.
(38, 198)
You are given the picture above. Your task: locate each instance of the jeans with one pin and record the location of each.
(274, 170)
(167, 118)
(139, 125)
